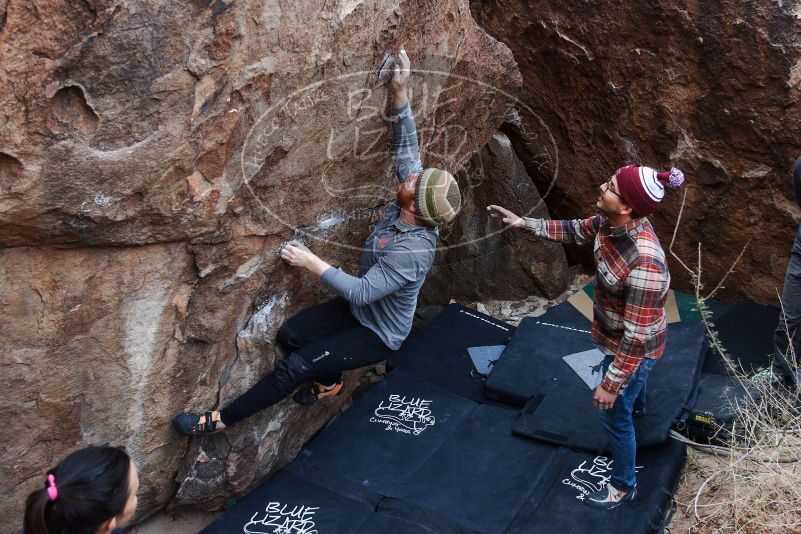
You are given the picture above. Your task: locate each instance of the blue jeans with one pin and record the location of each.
(619, 424)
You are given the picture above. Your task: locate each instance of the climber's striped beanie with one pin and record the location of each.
(642, 188)
(437, 197)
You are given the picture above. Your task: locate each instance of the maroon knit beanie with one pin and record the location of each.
(642, 188)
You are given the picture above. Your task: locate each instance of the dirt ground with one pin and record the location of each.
(765, 502)
(178, 522)
(697, 468)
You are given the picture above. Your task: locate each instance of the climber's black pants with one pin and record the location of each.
(324, 340)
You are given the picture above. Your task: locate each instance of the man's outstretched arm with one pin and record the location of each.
(404, 131)
(573, 231)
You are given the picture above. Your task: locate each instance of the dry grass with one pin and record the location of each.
(752, 482)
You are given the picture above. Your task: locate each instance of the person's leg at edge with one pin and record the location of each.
(787, 332)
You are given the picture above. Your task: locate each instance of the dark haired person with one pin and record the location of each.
(631, 284)
(91, 491)
(374, 311)
(787, 338)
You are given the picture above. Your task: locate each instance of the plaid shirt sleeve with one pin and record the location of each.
(575, 231)
(643, 320)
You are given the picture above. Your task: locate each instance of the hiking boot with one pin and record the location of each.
(189, 424)
(609, 498)
(309, 394)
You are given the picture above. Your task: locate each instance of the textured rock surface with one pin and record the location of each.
(91, 342)
(711, 86)
(153, 155)
(488, 260)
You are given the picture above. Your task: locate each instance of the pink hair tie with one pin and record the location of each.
(52, 491)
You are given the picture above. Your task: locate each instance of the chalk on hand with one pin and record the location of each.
(385, 71)
(294, 243)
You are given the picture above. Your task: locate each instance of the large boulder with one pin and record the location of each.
(153, 156)
(711, 87)
(482, 259)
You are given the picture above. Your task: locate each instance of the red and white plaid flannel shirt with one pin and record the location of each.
(631, 285)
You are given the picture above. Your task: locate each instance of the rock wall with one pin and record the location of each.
(153, 155)
(712, 87)
(487, 260)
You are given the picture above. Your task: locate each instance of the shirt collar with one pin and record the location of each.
(403, 227)
(633, 227)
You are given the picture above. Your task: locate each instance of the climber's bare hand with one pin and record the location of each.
(402, 71)
(297, 255)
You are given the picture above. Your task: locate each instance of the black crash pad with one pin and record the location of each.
(382, 440)
(438, 352)
(746, 332)
(381, 523)
(565, 315)
(533, 357)
(290, 503)
(462, 473)
(558, 506)
(562, 411)
(712, 415)
(480, 477)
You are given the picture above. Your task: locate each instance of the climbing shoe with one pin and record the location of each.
(608, 498)
(189, 424)
(309, 394)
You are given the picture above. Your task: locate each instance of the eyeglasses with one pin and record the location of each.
(608, 187)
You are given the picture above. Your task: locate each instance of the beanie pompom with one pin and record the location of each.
(676, 178)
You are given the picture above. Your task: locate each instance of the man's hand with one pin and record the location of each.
(603, 399)
(298, 255)
(400, 79)
(507, 216)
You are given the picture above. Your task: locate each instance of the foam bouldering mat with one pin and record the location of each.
(746, 332)
(479, 477)
(438, 353)
(588, 365)
(713, 413)
(562, 413)
(384, 437)
(557, 505)
(534, 356)
(565, 315)
(290, 503)
(485, 357)
(381, 522)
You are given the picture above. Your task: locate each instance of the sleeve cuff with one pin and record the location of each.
(614, 380)
(534, 226)
(611, 386)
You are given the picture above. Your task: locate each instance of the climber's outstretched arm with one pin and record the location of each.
(404, 131)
